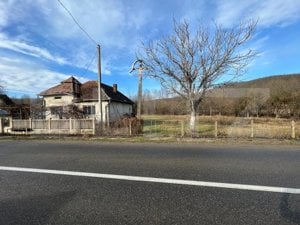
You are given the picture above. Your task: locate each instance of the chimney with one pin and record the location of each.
(115, 88)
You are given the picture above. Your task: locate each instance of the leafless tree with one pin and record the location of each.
(188, 62)
(1, 89)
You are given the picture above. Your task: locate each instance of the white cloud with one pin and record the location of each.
(3, 14)
(268, 12)
(21, 76)
(24, 48)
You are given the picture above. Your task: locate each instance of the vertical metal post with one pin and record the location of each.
(99, 87)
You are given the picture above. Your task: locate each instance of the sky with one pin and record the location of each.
(41, 45)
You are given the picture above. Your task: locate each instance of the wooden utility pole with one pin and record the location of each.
(99, 87)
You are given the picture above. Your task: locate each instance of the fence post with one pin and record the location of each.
(70, 125)
(130, 128)
(1, 127)
(26, 126)
(293, 130)
(216, 129)
(94, 126)
(49, 125)
(30, 124)
(182, 128)
(252, 128)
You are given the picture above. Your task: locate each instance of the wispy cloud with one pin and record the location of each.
(22, 76)
(268, 12)
(24, 48)
(42, 35)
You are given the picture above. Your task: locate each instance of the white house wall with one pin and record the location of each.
(111, 111)
(63, 101)
(56, 101)
(117, 110)
(97, 109)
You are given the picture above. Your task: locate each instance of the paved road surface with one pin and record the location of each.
(39, 198)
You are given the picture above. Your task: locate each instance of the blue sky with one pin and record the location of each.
(40, 45)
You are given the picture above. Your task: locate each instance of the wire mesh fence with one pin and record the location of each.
(168, 126)
(223, 127)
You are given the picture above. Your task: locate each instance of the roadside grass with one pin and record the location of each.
(170, 128)
(235, 127)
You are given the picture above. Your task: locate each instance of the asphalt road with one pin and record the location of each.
(37, 198)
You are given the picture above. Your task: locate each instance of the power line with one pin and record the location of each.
(89, 65)
(76, 22)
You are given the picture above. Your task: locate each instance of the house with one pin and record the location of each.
(71, 98)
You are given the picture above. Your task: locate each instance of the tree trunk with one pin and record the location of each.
(193, 121)
(193, 109)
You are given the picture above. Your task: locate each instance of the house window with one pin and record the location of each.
(89, 110)
(57, 97)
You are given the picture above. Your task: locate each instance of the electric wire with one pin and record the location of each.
(77, 23)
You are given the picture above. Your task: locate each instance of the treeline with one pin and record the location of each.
(277, 96)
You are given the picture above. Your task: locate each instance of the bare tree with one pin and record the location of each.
(1, 89)
(188, 63)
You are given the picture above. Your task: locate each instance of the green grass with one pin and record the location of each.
(170, 125)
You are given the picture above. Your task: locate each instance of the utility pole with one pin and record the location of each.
(99, 87)
(140, 67)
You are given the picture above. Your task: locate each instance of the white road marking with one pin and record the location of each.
(157, 180)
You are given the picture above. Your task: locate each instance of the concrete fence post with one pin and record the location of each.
(94, 126)
(216, 129)
(49, 125)
(1, 126)
(293, 130)
(30, 124)
(252, 128)
(130, 128)
(70, 125)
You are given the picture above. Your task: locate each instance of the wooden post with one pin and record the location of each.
(216, 129)
(252, 128)
(293, 130)
(182, 128)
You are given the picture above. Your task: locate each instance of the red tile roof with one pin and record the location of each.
(87, 91)
(64, 88)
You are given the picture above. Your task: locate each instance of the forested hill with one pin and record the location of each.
(269, 96)
(278, 83)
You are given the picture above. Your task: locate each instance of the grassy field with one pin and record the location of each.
(170, 125)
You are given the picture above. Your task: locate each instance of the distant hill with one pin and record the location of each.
(271, 95)
(290, 82)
